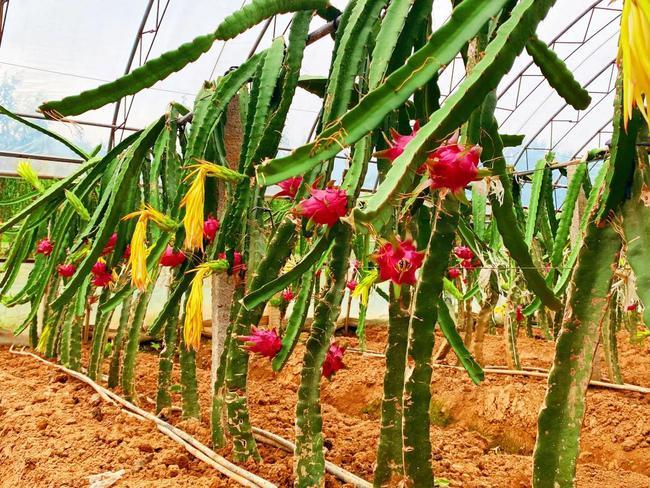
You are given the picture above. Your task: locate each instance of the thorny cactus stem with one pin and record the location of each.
(560, 420)
(99, 336)
(417, 387)
(239, 427)
(389, 468)
(118, 340)
(166, 361)
(310, 460)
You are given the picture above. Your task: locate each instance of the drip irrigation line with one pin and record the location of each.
(192, 445)
(534, 372)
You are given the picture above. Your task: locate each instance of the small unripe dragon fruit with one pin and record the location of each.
(453, 166)
(351, 285)
(266, 343)
(397, 144)
(333, 360)
(103, 279)
(210, 228)
(66, 270)
(288, 295)
(324, 207)
(45, 247)
(632, 307)
(238, 262)
(171, 258)
(127, 252)
(110, 245)
(453, 273)
(399, 263)
(99, 268)
(520, 314)
(289, 187)
(463, 252)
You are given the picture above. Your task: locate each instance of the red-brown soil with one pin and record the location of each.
(56, 431)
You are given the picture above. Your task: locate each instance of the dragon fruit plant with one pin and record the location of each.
(174, 195)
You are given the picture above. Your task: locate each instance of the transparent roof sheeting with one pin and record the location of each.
(51, 49)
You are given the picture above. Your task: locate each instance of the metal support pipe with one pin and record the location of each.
(129, 63)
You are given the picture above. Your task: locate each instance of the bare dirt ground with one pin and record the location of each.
(56, 431)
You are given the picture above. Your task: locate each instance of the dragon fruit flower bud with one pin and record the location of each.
(45, 247)
(66, 270)
(333, 360)
(324, 207)
(266, 343)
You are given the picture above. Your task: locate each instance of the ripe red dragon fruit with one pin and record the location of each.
(324, 207)
(289, 187)
(288, 295)
(171, 258)
(210, 228)
(45, 247)
(333, 360)
(110, 245)
(351, 285)
(463, 252)
(453, 165)
(266, 343)
(453, 273)
(399, 263)
(397, 144)
(66, 270)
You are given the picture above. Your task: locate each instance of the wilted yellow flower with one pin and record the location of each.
(194, 199)
(194, 306)
(633, 56)
(138, 258)
(363, 287)
(44, 339)
(27, 173)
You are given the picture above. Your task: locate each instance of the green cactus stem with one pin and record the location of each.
(560, 420)
(389, 468)
(166, 361)
(417, 383)
(190, 407)
(239, 428)
(310, 460)
(610, 345)
(118, 341)
(102, 320)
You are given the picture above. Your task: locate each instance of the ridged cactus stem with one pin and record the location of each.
(189, 386)
(310, 460)
(239, 428)
(66, 332)
(510, 338)
(218, 419)
(560, 420)
(417, 383)
(116, 358)
(610, 345)
(136, 319)
(483, 319)
(166, 361)
(389, 468)
(99, 336)
(76, 332)
(52, 330)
